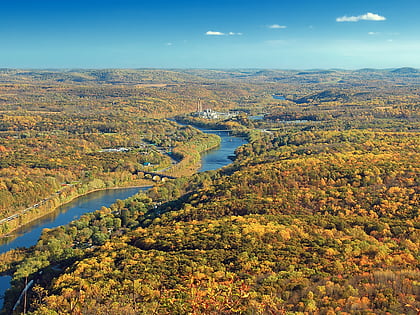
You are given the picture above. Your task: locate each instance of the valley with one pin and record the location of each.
(318, 213)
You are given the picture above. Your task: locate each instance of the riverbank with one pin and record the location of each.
(197, 151)
(12, 253)
(189, 156)
(50, 204)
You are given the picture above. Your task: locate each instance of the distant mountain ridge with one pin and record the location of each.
(406, 70)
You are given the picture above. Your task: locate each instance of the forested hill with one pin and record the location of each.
(327, 224)
(318, 214)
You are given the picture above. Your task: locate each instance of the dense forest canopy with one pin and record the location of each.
(318, 214)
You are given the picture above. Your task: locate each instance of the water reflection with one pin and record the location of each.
(29, 234)
(220, 156)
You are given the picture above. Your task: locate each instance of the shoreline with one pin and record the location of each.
(187, 170)
(2, 236)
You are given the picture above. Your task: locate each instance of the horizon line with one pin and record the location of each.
(202, 68)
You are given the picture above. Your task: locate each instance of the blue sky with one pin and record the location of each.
(299, 34)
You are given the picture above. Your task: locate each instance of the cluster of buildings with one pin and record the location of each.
(211, 114)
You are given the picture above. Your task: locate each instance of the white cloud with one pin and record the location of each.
(169, 44)
(277, 26)
(365, 17)
(372, 17)
(373, 33)
(348, 19)
(213, 33)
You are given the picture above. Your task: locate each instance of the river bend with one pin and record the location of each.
(29, 234)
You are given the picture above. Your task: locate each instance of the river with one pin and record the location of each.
(219, 157)
(29, 234)
(278, 97)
